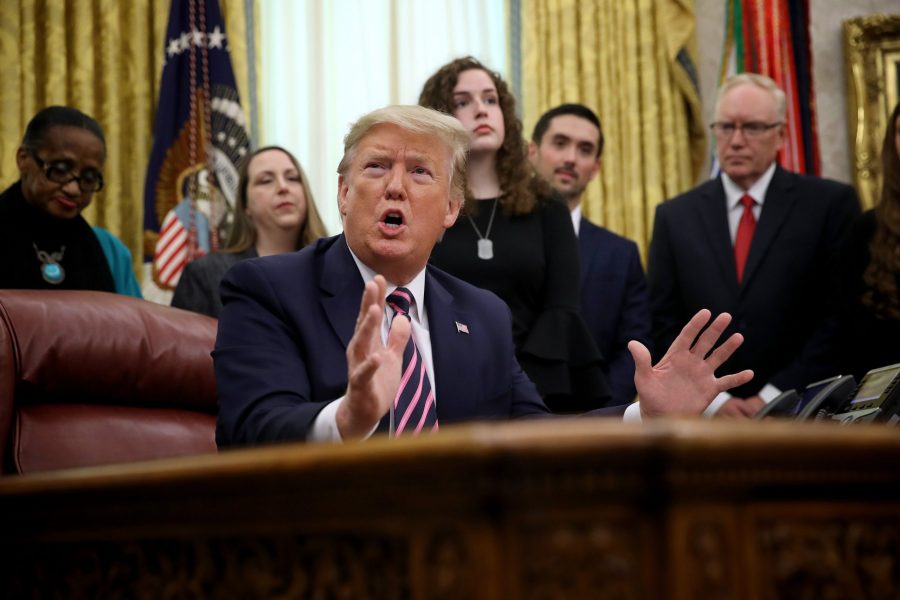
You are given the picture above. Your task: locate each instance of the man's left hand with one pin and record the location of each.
(684, 382)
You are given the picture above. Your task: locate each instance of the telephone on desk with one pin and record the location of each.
(819, 399)
(876, 398)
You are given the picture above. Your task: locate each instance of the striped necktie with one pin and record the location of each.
(414, 409)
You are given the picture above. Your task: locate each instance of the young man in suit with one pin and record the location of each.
(298, 358)
(565, 150)
(758, 242)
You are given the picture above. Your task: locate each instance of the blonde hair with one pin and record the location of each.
(420, 120)
(243, 232)
(760, 81)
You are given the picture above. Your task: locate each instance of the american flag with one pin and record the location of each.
(200, 136)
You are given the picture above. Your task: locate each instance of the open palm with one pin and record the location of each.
(684, 382)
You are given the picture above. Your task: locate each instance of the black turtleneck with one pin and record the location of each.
(23, 226)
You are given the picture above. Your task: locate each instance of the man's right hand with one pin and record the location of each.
(740, 408)
(373, 368)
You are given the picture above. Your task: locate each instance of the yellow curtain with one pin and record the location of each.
(103, 57)
(631, 62)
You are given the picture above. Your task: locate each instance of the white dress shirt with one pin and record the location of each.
(324, 428)
(735, 210)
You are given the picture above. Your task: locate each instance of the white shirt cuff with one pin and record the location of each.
(716, 404)
(325, 429)
(769, 393)
(632, 413)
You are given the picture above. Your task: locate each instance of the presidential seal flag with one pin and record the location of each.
(200, 136)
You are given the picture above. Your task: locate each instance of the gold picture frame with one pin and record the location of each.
(872, 46)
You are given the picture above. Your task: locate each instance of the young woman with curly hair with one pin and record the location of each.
(870, 290)
(516, 240)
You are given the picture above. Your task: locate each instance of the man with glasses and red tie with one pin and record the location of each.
(45, 243)
(758, 242)
(298, 357)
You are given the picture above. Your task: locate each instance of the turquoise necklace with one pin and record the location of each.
(51, 270)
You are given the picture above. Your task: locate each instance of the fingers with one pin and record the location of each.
(367, 333)
(711, 334)
(373, 294)
(724, 351)
(641, 356)
(727, 382)
(398, 336)
(732, 409)
(689, 332)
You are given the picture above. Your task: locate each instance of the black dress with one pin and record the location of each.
(26, 230)
(534, 269)
(867, 341)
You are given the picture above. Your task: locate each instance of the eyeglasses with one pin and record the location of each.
(60, 171)
(754, 129)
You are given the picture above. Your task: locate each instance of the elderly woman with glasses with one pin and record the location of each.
(45, 243)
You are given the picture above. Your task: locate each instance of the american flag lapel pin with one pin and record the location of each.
(462, 328)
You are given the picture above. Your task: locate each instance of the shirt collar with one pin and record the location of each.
(576, 218)
(757, 191)
(416, 287)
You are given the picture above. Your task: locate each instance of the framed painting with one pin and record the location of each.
(872, 50)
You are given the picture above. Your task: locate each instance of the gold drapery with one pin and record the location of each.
(631, 61)
(103, 57)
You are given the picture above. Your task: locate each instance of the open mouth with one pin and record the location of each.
(393, 219)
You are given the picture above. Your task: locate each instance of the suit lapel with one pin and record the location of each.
(714, 221)
(780, 200)
(588, 248)
(342, 288)
(450, 349)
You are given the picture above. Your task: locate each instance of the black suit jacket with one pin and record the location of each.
(615, 303)
(283, 334)
(782, 306)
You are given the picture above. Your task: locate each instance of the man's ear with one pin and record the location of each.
(595, 169)
(453, 207)
(343, 188)
(532, 151)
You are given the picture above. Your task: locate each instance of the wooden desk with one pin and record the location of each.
(560, 509)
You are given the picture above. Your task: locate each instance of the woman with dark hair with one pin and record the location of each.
(514, 239)
(44, 241)
(870, 290)
(275, 213)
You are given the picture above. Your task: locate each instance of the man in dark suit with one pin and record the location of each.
(565, 150)
(758, 242)
(298, 358)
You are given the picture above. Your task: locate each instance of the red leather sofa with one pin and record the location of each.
(91, 378)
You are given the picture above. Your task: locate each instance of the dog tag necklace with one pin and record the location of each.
(485, 245)
(51, 270)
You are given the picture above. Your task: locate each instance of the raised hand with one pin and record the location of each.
(683, 382)
(373, 368)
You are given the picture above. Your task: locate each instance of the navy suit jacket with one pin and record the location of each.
(782, 306)
(283, 334)
(615, 303)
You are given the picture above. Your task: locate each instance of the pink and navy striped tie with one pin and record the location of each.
(414, 410)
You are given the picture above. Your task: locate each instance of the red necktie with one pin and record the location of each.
(414, 410)
(744, 236)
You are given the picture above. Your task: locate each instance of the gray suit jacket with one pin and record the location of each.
(198, 288)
